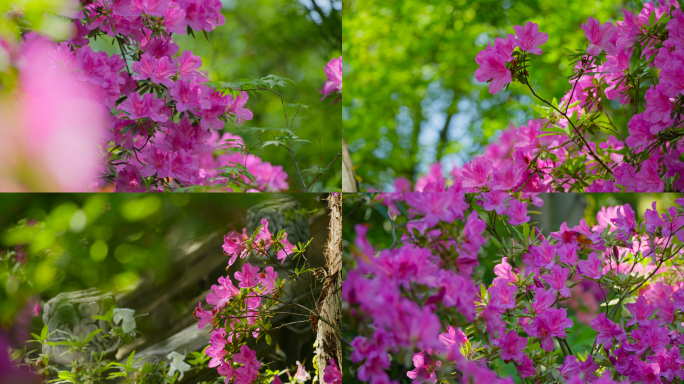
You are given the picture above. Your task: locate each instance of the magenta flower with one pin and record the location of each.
(158, 161)
(145, 67)
(264, 237)
(492, 67)
(331, 374)
(503, 294)
(247, 357)
(512, 346)
(506, 176)
(658, 107)
(653, 219)
(436, 206)
(452, 340)
(526, 368)
(529, 37)
(641, 311)
(503, 271)
(557, 280)
(236, 107)
(248, 276)
(286, 250)
(542, 256)
(268, 279)
(670, 362)
(599, 37)
(517, 212)
(652, 334)
(476, 172)
(148, 106)
(129, 180)
(204, 317)
(164, 68)
(608, 330)
(189, 65)
(549, 324)
(334, 72)
(495, 201)
(233, 245)
(590, 268)
(222, 293)
(187, 94)
(543, 300)
(425, 368)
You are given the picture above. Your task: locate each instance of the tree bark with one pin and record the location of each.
(348, 176)
(329, 306)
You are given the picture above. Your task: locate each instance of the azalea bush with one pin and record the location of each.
(145, 118)
(422, 310)
(573, 144)
(241, 313)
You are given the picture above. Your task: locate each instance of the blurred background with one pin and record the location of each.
(287, 38)
(158, 254)
(411, 98)
(583, 305)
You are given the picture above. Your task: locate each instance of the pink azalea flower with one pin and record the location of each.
(129, 180)
(529, 37)
(503, 271)
(543, 300)
(517, 212)
(301, 375)
(247, 357)
(334, 72)
(145, 67)
(425, 368)
(503, 294)
(164, 68)
(268, 279)
(506, 176)
(549, 324)
(189, 64)
(658, 107)
(476, 172)
(222, 294)
(641, 311)
(236, 106)
(452, 340)
(248, 276)
(492, 67)
(557, 280)
(187, 94)
(652, 334)
(158, 161)
(148, 106)
(599, 37)
(204, 317)
(608, 330)
(526, 368)
(233, 245)
(331, 374)
(286, 250)
(590, 268)
(495, 201)
(512, 346)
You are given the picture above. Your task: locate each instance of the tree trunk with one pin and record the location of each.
(348, 176)
(329, 306)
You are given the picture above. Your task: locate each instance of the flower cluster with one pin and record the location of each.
(164, 131)
(422, 297)
(238, 312)
(559, 150)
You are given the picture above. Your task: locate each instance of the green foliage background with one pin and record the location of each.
(409, 64)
